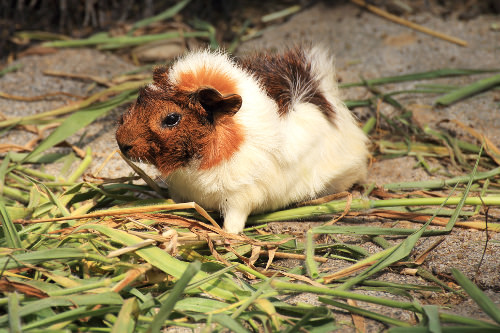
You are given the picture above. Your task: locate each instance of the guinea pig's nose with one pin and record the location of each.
(124, 148)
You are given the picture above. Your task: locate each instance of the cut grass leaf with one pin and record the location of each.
(105, 42)
(280, 14)
(127, 317)
(444, 329)
(4, 170)
(477, 295)
(311, 265)
(16, 194)
(40, 35)
(200, 304)
(445, 72)
(40, 256)
(365, 313)
(370, 231)
(165, 15)
(168, 305)
(338, 206)
(77, 121)
(432, 318)
(210, 29)
(9, 229)
(299, 324)
(13, 315)
(10, 69)
(82, 167)
(70, 315)
(53, 199)
(251, 299)
(232, 324)
(128, 89)
(143, 175)
(461, 204)
(469, 90)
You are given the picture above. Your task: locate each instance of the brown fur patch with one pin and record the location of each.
(222, 143)
(280, 74)
(191, 81)
(160, 75)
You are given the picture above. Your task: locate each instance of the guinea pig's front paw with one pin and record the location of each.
(234, 221)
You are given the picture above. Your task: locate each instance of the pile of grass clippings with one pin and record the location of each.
(91, 254)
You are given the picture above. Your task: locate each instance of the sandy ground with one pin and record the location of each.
(365, 46)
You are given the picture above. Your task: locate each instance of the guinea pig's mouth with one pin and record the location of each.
(128, 153)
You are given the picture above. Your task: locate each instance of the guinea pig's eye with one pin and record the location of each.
(171, 120)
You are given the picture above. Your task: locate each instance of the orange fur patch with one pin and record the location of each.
(191, 81)
(222, 143)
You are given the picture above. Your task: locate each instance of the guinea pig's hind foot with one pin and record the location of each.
(234, 221)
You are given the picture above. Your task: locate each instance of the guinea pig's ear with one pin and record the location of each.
(213, 101)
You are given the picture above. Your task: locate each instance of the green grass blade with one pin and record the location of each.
(71, 315)
(19, 212)
(4, 170)
(369, 125)
(127, 317)
(40, 256)
(445, 72)
(9, 229)
(370, 231)
(294, 287)
(432, 314)
(53, 199)
(280, 14)
(469, 90)
(15, 194)
(129, 88)
(82, 167)
(355, 104)
(445, 329)
(10, 69)
(112, 43)
(477, 295)
(76, 121)
(167, 306)
(165, 15)
(251, 299)
(199, 304)
(298, 325)
(213, 275)
(441, 183)
(460, 205)
(365, 313)
(311, 265)
(13, 315)
(230, 323)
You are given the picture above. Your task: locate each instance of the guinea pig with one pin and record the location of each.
(247, 135)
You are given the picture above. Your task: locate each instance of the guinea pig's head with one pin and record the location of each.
(170, 127)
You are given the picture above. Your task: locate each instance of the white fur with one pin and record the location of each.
(282, 160)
